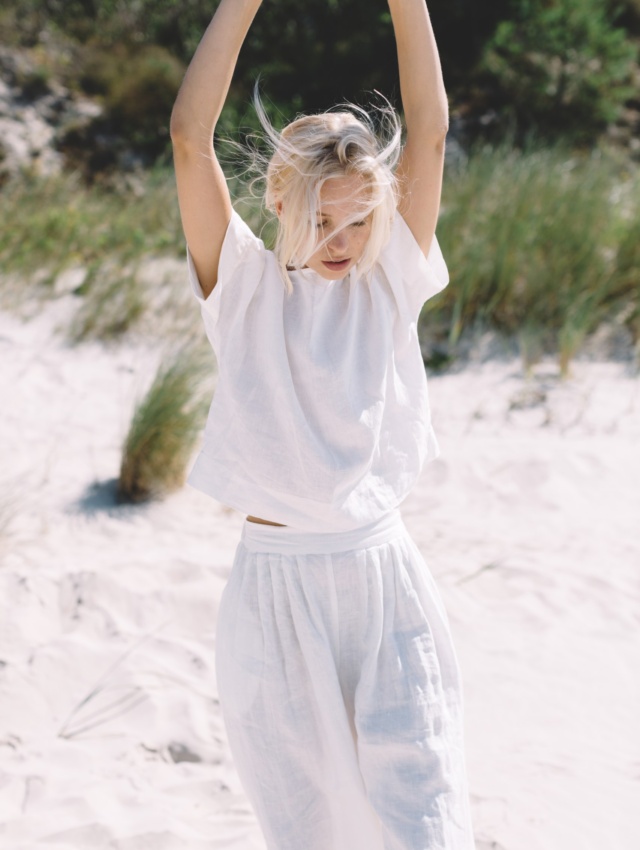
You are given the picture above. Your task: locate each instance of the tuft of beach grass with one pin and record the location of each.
(538, 245)
(165, 427)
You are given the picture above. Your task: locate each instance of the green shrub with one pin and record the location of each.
(165, 427)
(21, 22)
(560, 66)
(141, 96)
(138, 87)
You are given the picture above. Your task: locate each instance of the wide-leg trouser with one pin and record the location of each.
(340, 691)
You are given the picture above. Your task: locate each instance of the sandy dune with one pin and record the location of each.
(110, 729)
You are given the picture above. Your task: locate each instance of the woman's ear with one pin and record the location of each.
(279, 209)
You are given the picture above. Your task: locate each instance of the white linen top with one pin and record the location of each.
(320, 418)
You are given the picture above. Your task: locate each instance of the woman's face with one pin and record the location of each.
(339, 197)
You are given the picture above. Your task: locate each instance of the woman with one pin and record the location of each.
(337, 676)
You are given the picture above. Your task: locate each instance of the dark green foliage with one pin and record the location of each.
(562, 67)
(311, 54)
(138, 88)
(140, 95)
(627, 14)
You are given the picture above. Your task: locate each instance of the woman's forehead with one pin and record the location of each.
(339, 194)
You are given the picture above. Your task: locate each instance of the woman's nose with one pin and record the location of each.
(338, 242)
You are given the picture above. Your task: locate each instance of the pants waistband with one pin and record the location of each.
(285, 540)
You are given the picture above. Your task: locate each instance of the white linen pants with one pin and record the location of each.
(340, 691)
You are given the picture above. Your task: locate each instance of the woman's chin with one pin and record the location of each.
(333, 271)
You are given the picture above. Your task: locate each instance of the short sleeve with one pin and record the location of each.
(241, 256)
(413, 277)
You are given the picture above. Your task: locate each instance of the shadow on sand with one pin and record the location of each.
(103, 497)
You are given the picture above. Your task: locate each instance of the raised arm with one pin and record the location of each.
(205, 205)
(426, 113)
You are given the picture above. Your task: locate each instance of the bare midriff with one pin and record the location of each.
(264, 521)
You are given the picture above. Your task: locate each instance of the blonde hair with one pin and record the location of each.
(316, 148)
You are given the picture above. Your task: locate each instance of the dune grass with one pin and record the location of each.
(627, 268)
(57, 224)
(52, 224)
(107, 233)
(542, 245)
(165, 427)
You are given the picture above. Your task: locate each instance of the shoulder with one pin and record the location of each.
(413, 275)
(248, 273)
(241, 248)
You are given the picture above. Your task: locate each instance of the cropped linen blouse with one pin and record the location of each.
(320, 419)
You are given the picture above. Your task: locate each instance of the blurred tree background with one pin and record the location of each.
(554, 68)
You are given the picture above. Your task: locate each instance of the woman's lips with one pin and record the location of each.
(336, 266)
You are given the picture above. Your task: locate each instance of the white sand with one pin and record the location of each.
(110, 729)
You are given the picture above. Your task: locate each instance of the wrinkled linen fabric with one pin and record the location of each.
(320, 418)
(341, 693)
(336, 672)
